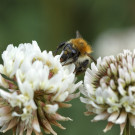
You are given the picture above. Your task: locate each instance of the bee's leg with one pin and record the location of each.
(58, 48)
(65, 63)
(74, 59)
(69, 62)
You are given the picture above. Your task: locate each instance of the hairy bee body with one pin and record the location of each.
(81, 45)
(82, 64)
(76, 51)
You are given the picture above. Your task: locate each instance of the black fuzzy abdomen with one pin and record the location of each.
(81, 66)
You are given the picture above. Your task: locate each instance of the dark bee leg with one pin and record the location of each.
(83, 66)
(58, 48)
(66, 61)
(74, 59)
(70, 62)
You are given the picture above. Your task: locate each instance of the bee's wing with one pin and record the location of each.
(78, 35)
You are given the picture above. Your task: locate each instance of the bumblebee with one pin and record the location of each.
(76, 51)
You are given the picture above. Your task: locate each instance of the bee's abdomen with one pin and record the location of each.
(81, 66)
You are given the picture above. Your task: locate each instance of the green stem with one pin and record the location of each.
(127, 128)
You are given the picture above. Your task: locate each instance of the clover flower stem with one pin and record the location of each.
(127, 128)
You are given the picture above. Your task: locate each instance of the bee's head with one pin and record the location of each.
(68, 52)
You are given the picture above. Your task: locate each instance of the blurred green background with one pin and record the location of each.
(52, 22)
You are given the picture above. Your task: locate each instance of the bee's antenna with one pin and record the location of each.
(78, 35)
(91, 57)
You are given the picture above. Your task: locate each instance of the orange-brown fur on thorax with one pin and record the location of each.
(81, 45)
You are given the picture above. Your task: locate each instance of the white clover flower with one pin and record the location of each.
(13, 57)
(109, 89)
(34, 85)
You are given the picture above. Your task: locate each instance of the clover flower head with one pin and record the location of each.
(34, 85)
(109, 89)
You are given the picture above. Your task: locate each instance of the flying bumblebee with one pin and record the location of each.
(76, 51)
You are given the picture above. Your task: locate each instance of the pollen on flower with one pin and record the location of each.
(28, 107)
(48, 63)
(52, 72)
(37, 58)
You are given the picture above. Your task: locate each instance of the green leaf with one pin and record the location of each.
(4, 88)
(9, 79)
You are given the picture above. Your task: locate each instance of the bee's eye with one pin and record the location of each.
(68, 46)
(74, 51)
